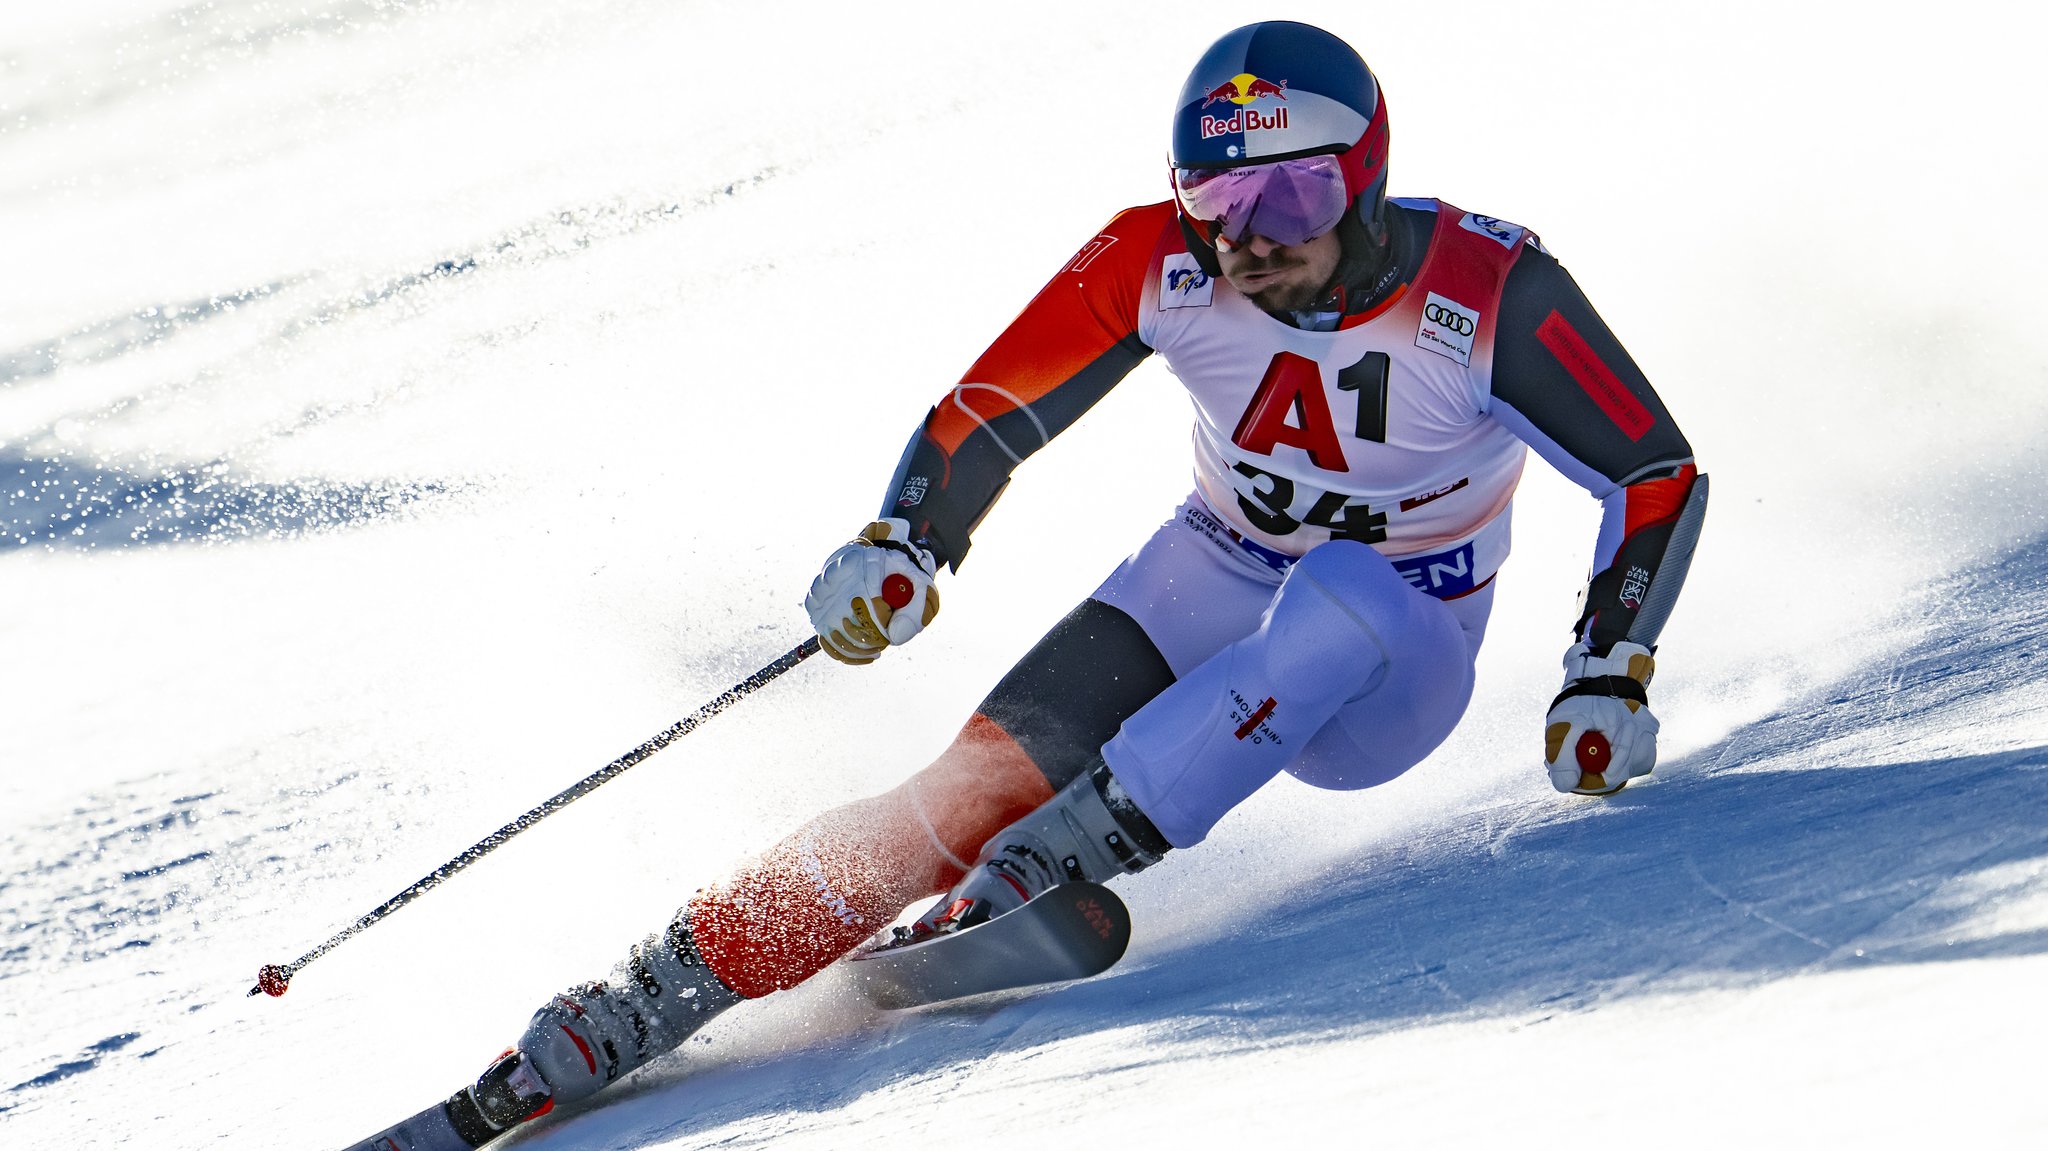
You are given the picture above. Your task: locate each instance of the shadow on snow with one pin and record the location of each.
(55, 503)
(1750, 861)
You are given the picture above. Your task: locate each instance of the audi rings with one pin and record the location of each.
(1454, 321)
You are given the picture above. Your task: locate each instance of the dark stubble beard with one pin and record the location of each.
(1287, 297)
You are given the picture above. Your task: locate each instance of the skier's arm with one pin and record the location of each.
(1070, 345)
(1075, 341)
(1564, 383)
(1567, 386)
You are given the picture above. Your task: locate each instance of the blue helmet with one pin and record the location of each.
(1277, 91)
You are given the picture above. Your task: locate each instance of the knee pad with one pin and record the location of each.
(1328, 639)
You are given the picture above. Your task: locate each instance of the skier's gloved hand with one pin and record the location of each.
(1600, 733)
(874, 591)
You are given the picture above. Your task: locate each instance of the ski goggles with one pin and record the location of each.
(1288, 202)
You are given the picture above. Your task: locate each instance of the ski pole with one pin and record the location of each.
(273, 979)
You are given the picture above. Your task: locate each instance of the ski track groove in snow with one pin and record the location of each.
(512, 394)
(156, 500)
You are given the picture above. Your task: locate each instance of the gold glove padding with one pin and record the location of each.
(858, 602)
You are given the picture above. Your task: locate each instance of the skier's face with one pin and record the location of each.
(1282, 278)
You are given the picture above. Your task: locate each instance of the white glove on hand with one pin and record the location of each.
(858, 601)
(1600, 733)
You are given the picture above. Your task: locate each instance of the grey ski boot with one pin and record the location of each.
(1089, 830)
(658, 996)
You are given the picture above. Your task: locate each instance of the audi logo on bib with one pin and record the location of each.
(1447, 329)
(1436, 313)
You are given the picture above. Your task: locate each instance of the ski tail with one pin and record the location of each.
(505, 1096)
(435, 1129)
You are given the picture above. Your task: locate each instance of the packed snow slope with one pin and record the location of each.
(405, 408)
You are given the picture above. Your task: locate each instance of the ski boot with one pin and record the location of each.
(658, 996)
(1091, 830)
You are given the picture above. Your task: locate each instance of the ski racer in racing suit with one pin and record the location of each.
(1367, 377)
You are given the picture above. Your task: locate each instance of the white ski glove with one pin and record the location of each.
(858, 601)
(1600, 733)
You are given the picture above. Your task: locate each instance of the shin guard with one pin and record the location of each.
(848, 873)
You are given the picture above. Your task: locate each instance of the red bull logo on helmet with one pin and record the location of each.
(1243, 120)
(1244, 89)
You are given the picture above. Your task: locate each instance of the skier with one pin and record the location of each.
(1367, 375)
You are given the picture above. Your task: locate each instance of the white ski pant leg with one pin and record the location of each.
(1346, 678)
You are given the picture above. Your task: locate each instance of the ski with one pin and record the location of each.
(430, 1130)
(509, 1090)
(1073, 931)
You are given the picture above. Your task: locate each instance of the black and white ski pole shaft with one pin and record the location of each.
(273, 979)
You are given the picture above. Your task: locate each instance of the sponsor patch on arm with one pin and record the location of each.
(1594, 377)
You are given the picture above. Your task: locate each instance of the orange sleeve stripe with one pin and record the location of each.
(1087, 309)
(1655, 501)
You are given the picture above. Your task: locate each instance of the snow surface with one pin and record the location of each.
(406, 407)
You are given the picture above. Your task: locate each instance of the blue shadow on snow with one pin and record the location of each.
(1764, 856)
(56, 503)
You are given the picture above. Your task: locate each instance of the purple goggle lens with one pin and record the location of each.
(1290, 202)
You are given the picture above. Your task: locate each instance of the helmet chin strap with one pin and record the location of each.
(1200, 248)
(1367, 254)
